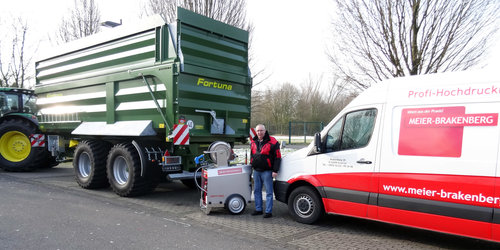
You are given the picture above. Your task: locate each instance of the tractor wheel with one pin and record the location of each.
(16, 153)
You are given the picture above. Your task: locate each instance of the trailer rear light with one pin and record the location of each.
(171, 160)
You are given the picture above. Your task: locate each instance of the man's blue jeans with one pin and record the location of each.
(266, 178)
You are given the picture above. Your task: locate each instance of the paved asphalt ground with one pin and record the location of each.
(46, 209)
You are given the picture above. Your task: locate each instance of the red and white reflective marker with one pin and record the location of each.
(252, 133)
(37, 140)
(181, 134)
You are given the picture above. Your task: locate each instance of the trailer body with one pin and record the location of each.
(164, 91)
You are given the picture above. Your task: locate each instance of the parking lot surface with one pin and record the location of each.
(173, 201)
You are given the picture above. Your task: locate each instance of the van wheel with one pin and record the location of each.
(124, 171)
(89, 163)
(304, 205)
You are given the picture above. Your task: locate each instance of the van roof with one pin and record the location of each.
(464, 86)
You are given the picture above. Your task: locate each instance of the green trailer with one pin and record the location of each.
(141, 101)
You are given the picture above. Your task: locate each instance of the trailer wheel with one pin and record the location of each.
(16, 153)
(304, 205)
(89, 163)
(235, 204)
(124, 171)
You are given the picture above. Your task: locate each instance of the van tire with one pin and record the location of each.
(89, 163)
(304, 205)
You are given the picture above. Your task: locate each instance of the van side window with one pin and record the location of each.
(333, 136)
(353, 131)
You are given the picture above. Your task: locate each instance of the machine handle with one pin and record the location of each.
(198, 158)
(196, 180)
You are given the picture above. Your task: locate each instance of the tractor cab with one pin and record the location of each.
(14, 100)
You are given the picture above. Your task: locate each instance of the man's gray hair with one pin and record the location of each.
(260, 125)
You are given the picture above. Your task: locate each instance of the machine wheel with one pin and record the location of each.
(16, 153)
(124, 171)
(304, 205)
(235, 204)
(89, 163)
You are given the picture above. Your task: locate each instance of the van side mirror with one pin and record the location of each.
(317, 142)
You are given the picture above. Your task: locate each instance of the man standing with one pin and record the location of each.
(265, 159)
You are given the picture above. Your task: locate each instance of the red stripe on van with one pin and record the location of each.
(439, 223)
(470, 190)
(464, 227)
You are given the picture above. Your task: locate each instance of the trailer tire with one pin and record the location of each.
(16, 153)
(89, 163)
(235, 204)
(124, 171)
(304, 205)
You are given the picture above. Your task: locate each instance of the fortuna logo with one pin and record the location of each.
(214, 84)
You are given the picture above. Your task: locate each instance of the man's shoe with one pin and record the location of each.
(268, 215)
(256, 213)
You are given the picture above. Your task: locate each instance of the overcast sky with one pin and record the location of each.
(290, 38)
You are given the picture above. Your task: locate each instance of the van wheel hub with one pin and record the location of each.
(304, 206)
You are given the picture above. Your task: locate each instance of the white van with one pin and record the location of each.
(419, 151)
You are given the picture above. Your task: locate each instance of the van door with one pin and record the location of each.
(345, 168)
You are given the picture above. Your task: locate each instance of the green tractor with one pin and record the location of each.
(22, 145)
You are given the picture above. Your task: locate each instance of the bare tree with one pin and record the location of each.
(382, 39)
(277, 107)
(14, 73)
(232, 12)
(83, 21)
(310, 100)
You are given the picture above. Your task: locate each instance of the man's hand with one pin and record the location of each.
(274, 174)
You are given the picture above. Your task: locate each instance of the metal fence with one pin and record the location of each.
(299, 131)
(294, 131)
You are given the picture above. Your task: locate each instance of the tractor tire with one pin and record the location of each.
(89, 163)
(124, 172)
(16, 153)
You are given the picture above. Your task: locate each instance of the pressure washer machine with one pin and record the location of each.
(223, 185)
